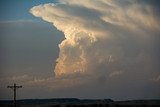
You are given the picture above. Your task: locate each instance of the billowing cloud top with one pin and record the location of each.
(97, 29)
(105, 38)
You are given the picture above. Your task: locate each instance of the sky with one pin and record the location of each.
(80, 49)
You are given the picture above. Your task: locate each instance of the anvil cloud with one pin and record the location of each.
(105, 39)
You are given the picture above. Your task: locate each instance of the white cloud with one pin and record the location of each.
(95, 30)
(89, 27)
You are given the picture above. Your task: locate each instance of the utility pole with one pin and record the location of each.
(14, 87)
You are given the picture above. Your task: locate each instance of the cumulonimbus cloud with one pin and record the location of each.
(96, 29)
(104, 36)
(109, 46)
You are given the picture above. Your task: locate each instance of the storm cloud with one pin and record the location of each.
(108, 45)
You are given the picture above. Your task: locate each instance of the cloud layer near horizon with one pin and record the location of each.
(106, 42)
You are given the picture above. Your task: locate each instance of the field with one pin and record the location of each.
(73, 102)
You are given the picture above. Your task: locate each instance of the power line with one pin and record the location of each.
(14, 87)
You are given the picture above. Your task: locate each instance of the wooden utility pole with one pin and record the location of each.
(14, 87)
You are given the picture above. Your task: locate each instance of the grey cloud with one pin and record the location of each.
(28, 47)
